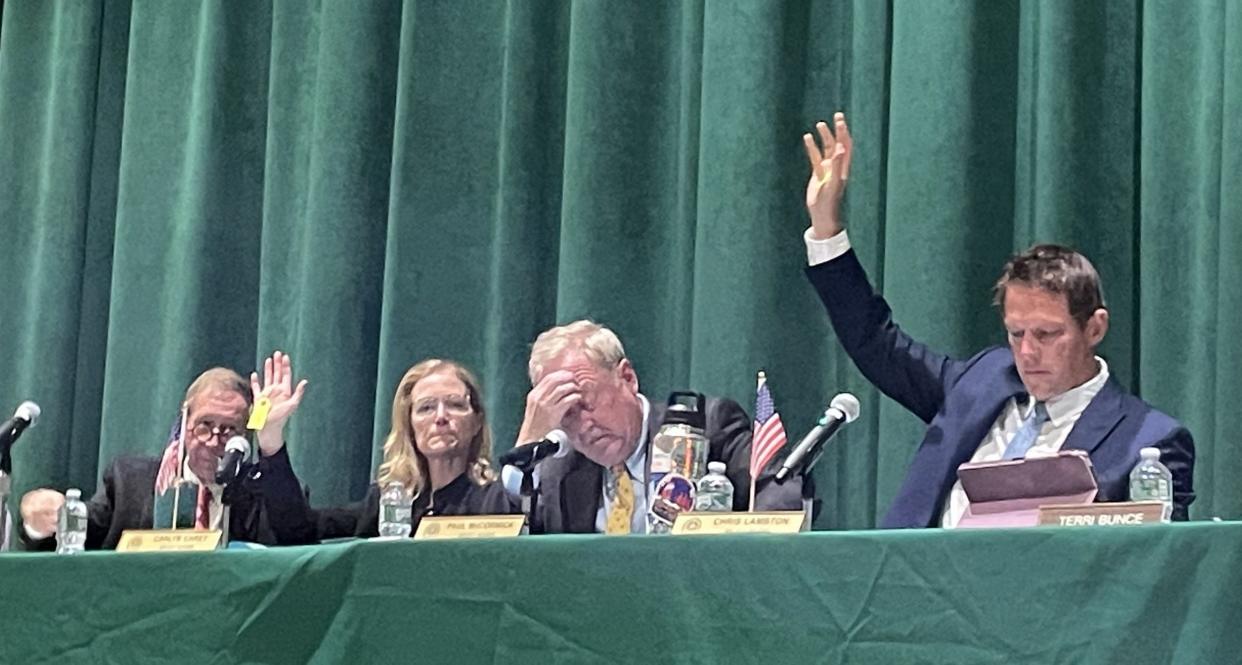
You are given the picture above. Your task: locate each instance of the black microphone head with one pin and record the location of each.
(237, 444)
(235, 451)
(561, 439)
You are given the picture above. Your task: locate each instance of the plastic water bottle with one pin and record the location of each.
(715, 490)
(1151, 481)
(71, 525)
(394, 511)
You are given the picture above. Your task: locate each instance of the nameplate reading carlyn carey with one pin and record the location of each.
(716, 523)
(1102, 514)
(168, 540)
(475, 526)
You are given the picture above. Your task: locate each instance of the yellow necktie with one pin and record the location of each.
(622, 507)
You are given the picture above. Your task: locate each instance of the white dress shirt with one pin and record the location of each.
(636, 465)
(1063, 410)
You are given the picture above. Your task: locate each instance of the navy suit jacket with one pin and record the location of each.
(961, 399)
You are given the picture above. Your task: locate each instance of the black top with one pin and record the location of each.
(462, 496)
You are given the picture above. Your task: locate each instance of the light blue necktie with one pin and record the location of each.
(1025, 437)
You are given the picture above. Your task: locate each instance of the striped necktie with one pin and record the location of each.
(1026, 435)
(621, 509)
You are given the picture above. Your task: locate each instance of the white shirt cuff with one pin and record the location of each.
(824, 250)
(35, 535)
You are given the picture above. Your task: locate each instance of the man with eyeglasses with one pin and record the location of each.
(265, 504)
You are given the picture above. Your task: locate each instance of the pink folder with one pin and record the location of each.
(1009, 493)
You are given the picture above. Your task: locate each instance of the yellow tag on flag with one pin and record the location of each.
(258, 415)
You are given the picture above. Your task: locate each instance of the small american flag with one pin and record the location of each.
(174, 456)
(769, 434)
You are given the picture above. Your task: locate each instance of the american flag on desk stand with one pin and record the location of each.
(769, 433)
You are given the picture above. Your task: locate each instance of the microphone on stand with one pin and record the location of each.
(843, 409)
(517, 473)
(554, 444)
(235, 452)
(26, 415)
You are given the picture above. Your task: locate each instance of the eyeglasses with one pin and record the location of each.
(205, 432)
(454, 405)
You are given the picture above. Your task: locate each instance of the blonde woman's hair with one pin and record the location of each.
(402, 461)
(596, 342)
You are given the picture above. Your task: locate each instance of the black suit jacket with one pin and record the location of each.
(267, 507)
(571, 487)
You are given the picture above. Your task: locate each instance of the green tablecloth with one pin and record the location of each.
(1154, 594)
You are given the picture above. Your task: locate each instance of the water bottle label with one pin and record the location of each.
(661, 461)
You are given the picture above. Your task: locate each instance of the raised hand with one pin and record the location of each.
(830, 169)
(547, 403)
(277, 388)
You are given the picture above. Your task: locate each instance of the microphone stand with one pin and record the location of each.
(530, 497)
(808, 498)
(6, 484)
(229, 492)
(808, 485)
(6, 487)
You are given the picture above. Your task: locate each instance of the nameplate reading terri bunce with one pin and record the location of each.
(717, 523)
(475, 526)
(168, 540)
(1102, 514)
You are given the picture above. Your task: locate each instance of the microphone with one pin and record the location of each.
(26, 415)
(843, 409)
(555, 443)
(235, 452)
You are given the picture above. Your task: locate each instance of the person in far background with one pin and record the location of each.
(438, 449)
(266, 505)
(1045, 391)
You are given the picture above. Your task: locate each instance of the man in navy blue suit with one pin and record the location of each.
(1045, 392)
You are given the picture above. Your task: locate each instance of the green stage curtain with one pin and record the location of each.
(368, 184)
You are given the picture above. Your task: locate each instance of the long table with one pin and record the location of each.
(1148, 594)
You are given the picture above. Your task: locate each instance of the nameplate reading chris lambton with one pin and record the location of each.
(716, 523)
(475, 526)
(168, 540)
(1102, 514)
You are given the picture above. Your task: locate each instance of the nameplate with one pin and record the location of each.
(475, 526)
(694, 523)
(1102, 514)
(168, 540)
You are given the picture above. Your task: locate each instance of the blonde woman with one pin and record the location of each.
(438, 449)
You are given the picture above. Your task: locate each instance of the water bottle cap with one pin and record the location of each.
(74, 493)
(716, 467)
(1149, 453)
